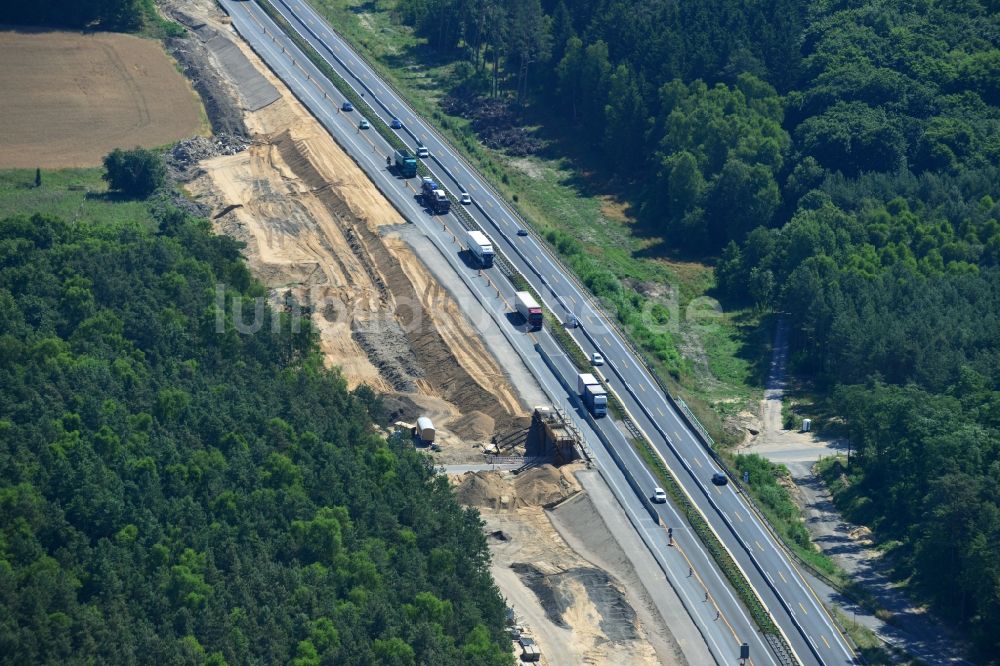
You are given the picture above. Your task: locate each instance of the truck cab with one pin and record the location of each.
(406, 164)
(434, 197)
(482, 248)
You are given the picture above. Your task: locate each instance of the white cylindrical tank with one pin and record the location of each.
(425, 429)
(806, 425)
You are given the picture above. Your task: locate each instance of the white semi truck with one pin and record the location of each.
(593, 394)
(481, 247)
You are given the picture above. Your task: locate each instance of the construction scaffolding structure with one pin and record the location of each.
(553, 435)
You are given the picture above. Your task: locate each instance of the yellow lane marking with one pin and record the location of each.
(697, 462)
(490, 204)
(738, 516)
(783, 577)
(803, 608)
(606, 341)
(641, 387)
(660, 411)
(825, 642)
(758, 544)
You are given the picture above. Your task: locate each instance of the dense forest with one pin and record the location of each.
(172, 491)
(91, 14)
(840, 159)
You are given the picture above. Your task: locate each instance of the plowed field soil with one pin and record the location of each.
(68, 99)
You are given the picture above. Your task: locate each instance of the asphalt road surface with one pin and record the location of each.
(796, 609)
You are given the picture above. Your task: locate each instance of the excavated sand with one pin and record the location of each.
(577, 612)
(538, 486)
(473, 427)
(320, 233)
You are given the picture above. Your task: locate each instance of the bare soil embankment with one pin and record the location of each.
(318, 232)
(577, 611)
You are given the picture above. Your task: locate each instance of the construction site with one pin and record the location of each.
(392, 315)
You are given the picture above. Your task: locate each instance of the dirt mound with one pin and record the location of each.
(182, 160)
(474, 426)
(862, 535)
(581, 590)
(542, 485)
(537, 486)
(482, 489)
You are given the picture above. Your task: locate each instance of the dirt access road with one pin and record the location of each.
(910, 629)
(69, 98)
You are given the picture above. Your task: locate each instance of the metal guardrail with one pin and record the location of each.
(509, 270)
(510, 206)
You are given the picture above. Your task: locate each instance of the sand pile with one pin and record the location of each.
(482, 489)
(541, 485)
(474, 426)
(537, 486)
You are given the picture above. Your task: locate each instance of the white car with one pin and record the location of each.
(465, 199)
(596, 358)
(659, 496)
(422, 152)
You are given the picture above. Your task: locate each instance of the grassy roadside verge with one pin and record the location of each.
(775, 501)
(873, 650)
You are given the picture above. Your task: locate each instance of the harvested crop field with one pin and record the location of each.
(70, 98)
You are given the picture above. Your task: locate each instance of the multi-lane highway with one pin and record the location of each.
(801, 617)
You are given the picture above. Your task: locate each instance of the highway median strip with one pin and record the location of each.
(345, 88)
(711, 542)
(579, 358)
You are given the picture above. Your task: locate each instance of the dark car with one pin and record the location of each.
(346, 106)
(720, 479)
(395, 124)
(522, 232)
